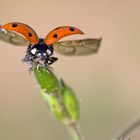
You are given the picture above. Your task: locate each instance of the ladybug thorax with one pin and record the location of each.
(41, 49)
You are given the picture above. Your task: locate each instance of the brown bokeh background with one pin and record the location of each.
(107, 84)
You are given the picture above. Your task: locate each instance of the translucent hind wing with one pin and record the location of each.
(77, 47)
(13, 38)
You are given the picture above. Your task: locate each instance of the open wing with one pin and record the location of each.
(77, 47)
(60, 32)
(18, 34)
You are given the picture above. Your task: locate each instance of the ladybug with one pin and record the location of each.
(40, 50)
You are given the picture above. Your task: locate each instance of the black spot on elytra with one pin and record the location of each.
(30, 34)
(14, 25)
(72, 29)
(55, 36)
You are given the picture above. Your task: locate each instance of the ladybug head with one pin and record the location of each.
(39, 52)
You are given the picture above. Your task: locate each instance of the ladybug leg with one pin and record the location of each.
(29, 60)
(48, 66)
(51, 60)
(34, 65)
(31, 69)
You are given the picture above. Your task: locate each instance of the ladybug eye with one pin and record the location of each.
(44, 54)
(14, 25)
(39, 54)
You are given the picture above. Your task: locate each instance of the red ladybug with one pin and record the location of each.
(41, 50)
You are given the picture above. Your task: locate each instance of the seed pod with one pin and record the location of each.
(70, 102)
(46, 80)
(55, 106)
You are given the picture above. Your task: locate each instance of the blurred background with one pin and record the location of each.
(107, 84)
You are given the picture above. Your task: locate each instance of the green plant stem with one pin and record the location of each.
(61, 100)
(73, 128)
(75, 132)
(132, 125)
